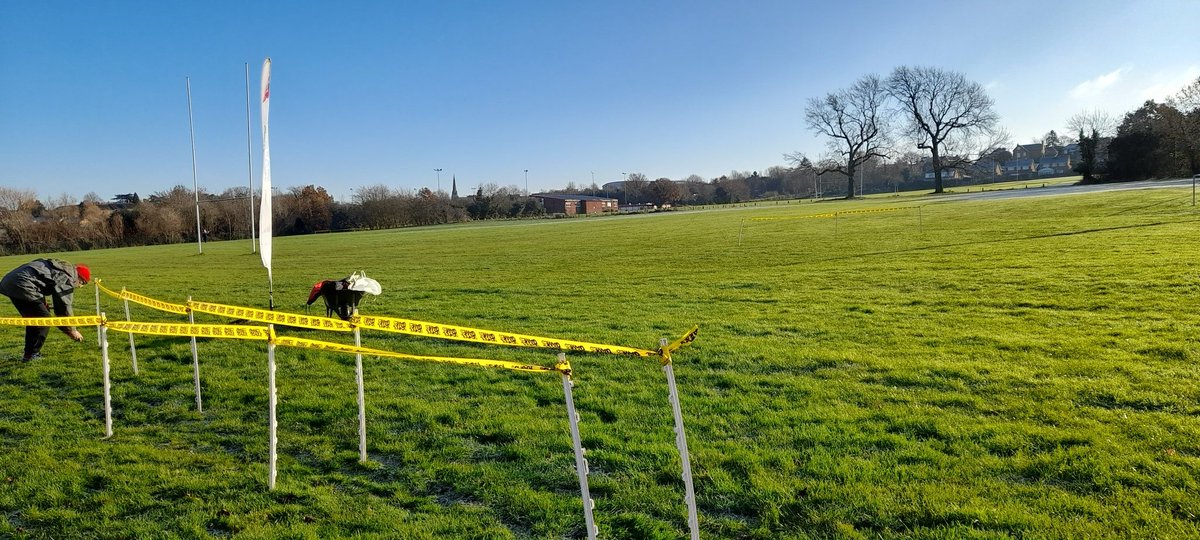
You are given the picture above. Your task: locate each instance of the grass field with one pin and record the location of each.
(1017, 368)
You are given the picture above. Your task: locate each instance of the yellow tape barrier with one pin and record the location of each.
(156, 304)
(232, 331)
(107, 290)
(273, 317)
(689, 337)
(89, 320)
(563, 367)
(832, 214)
(491, 337)
(400, 326)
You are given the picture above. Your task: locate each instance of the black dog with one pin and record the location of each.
(337, 296)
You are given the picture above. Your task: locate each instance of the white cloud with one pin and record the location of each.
(1094, 87)
(1167, 84)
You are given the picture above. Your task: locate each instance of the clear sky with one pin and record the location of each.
(92, 94)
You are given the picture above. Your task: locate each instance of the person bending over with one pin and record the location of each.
(33, 285)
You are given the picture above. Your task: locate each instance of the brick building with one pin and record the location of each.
(557, 203)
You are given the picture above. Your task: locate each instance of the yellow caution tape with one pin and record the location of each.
(689, 337)
(108, 291)
(156, 304)
(285, 341)
(491, 337)
(273, 317)
(391, 324)
(875, 210)
(831, 214)
(232, 331)
(89, 320)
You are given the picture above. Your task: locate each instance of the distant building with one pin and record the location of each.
(557, 203)
(1041, 160)
(638, 207)
(1018, 167)
(1054, 166)
(1029, 151)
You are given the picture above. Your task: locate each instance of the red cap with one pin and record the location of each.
(85, 275)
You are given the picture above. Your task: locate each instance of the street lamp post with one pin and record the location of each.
(439, 179)
(526, 182)
(625, 186)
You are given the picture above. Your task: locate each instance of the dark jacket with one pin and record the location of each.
(36, 280)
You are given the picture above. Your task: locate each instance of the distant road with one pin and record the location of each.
(1068, 189)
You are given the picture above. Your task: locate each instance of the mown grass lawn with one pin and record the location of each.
(1018, 368)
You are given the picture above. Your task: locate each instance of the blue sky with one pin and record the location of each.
(92, 94)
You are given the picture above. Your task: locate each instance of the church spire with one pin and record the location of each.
(453, 187)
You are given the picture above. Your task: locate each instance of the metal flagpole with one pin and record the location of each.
(250, 162)
(108, 431)
(132, 347)
(681, 443)
(195, 359)
(581, 465)
(195, 184)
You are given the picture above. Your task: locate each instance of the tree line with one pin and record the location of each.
(882, 134)
(1156, 140)
(951, 121)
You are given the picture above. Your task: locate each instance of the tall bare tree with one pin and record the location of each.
(943, 109)
(857, 123)
(1104, 124)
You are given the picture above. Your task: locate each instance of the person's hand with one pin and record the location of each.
(75, 335)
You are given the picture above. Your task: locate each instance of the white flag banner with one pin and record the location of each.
(264, 212)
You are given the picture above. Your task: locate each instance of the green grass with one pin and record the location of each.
(1018, 368)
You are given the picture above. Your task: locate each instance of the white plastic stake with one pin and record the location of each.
(362, 398)
(195, 361)
(681, 443)
(98, 340)
(132, 347)
(581, 466)
(271, 440)
(108, 432)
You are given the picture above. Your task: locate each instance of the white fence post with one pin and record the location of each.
(581, 465)
(99, 341)
(681, 443)
(132, 347)
(195, 360)
(108, 431)
(362, 397)
(271, 440)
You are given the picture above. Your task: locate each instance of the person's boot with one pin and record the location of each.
(29, 357)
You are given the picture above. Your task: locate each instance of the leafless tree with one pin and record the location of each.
(12, 199)
(942, 107)
(1188, 98)
(857, 122)
(961, 152)
(635, 186)
(1104, 124)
